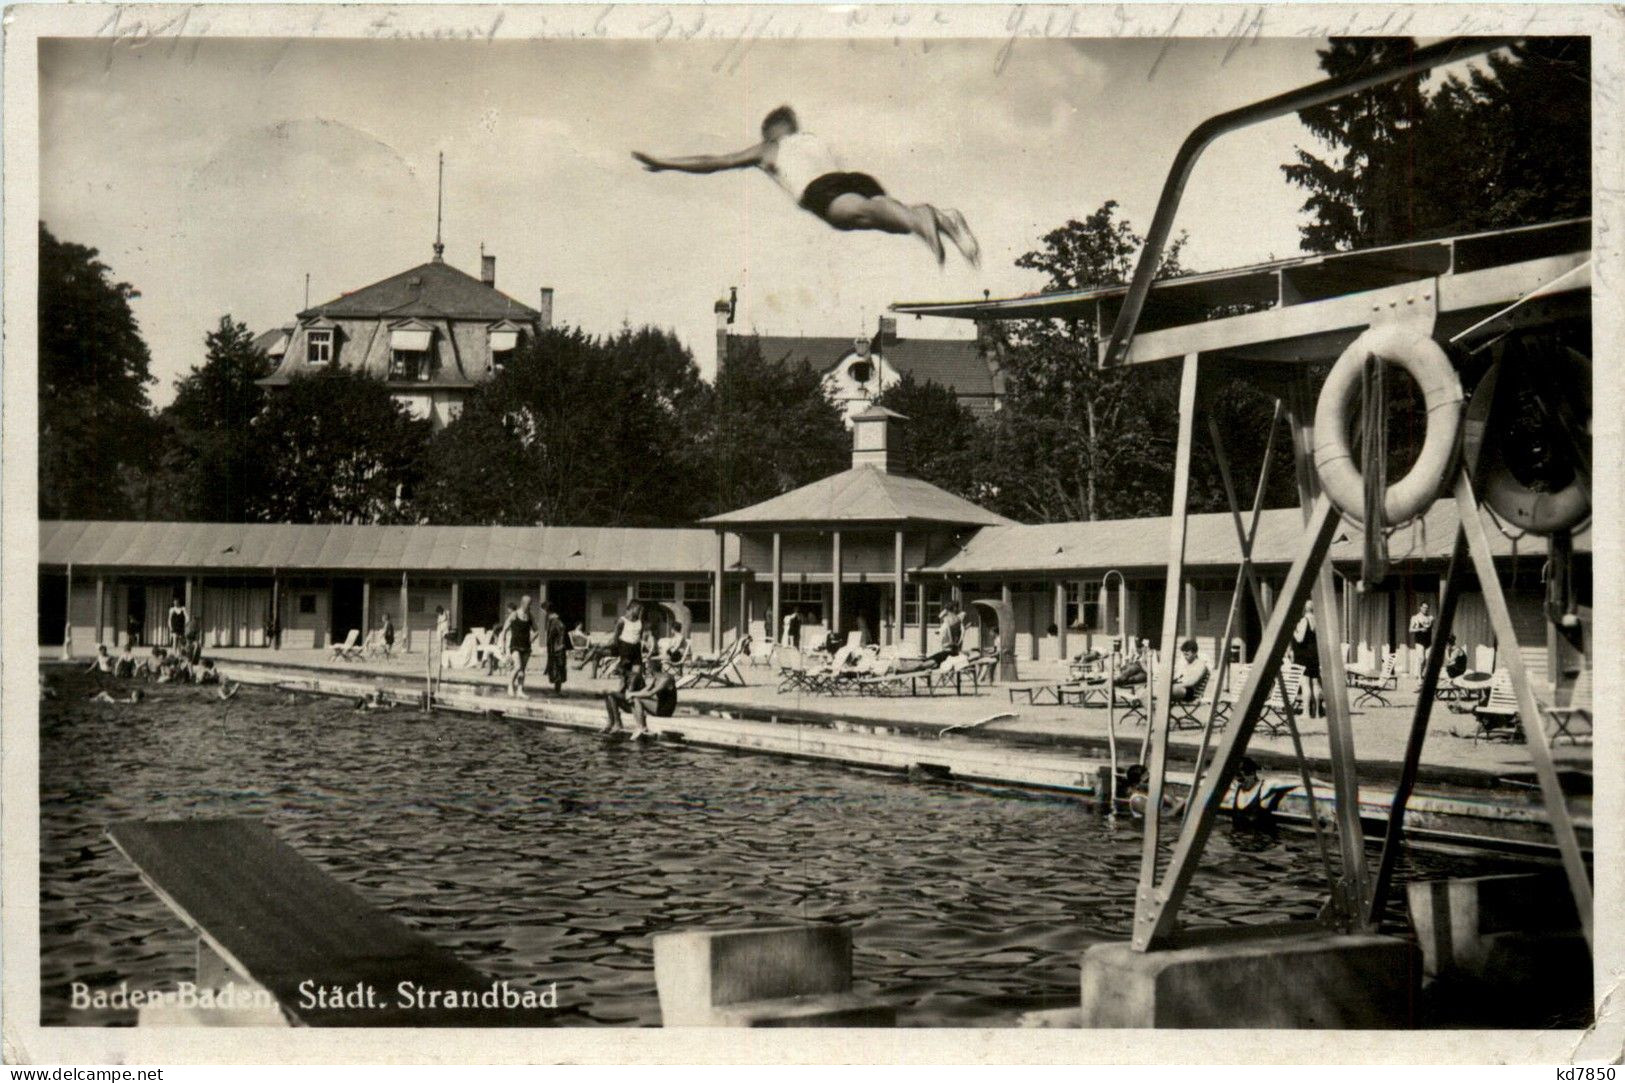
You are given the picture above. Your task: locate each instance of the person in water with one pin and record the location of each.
(804, 166)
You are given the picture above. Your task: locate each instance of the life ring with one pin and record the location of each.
(1427, 364)
(1544, 510)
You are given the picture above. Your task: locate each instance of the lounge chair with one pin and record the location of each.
(1236, 675)
(1273, 718)
(911, 681)
(1497, 716)
(719, 672)
(349, 650)
(1574, 720)
(1371, 686)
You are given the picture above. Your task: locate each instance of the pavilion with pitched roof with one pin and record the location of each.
(840, 549)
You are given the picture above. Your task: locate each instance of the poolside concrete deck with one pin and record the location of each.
(1380, 732)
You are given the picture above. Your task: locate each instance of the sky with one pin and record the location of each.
(213, 176)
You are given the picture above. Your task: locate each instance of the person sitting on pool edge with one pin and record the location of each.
(125, 664)
(103, 662)
(657, 695)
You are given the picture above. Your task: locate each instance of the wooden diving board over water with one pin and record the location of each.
(280, 922)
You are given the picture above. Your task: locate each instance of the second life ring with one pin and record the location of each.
(1427, 364)
(1523, 476)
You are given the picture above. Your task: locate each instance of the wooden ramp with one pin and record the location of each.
(280, 922)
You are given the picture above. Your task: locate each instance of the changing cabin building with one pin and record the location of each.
(873, 551)
(432, 333)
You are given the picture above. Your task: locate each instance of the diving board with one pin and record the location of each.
(283, 925)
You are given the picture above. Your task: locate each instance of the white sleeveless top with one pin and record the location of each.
(631, 631)
(800, 159)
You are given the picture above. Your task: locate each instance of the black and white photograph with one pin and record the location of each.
(1073, 523)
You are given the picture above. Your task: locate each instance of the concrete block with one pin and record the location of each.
(1312, 980)
(1458, 922)
(832, 1010)
(698, 971)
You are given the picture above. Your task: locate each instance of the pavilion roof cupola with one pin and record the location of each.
(873, 441)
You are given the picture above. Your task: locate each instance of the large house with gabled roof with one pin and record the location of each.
(856, 370)
(432, 333)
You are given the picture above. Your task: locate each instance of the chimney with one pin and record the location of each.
(546, 308)
(872, 439)
(488, 270)
(725, 315)
(888, 332)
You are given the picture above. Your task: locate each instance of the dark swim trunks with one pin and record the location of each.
(823, 190)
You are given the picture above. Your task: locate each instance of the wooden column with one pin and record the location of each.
(919, 614)
(835, 580)
(457, 609)
(1355, 884)
(744, 606)
(276, 609)
(1058, 615)
(899, 585)
(716, 592)
(1268, 591)
(778, 591)
(1008, 647)
(1190, 610)
(101, 590)
(366, 607)
(1147, 902)
(191, 614)
(406, 616)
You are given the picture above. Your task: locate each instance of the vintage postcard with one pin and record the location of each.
(986, 533)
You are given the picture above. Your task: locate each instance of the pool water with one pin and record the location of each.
(545, 856)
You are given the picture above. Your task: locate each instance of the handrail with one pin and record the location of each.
(1173, 189)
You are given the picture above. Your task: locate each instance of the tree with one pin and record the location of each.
(774, 429)
(94, 370)
(1075, 441)
(336, 448)
(212, 466)
(941, 440)
(576, 430)
(1508, 145)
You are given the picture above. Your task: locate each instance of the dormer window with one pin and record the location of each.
(409, 352)
(319, 345)
(860, 371)
(504, 340)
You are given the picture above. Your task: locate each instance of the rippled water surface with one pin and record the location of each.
(539, 855)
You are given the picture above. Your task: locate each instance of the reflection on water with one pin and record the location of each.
(540, 856)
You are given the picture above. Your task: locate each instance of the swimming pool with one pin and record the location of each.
(540, 855)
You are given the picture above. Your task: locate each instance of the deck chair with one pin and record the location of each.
(719, 672)
(1497, 716)
(1574, 720)
(1273, 718)
(349, 650)
(1191, 713)
(851, 668)
(1371, 686)
(1236, 675)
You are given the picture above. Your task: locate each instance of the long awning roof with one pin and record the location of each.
(1141, 545)
(262, 547)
